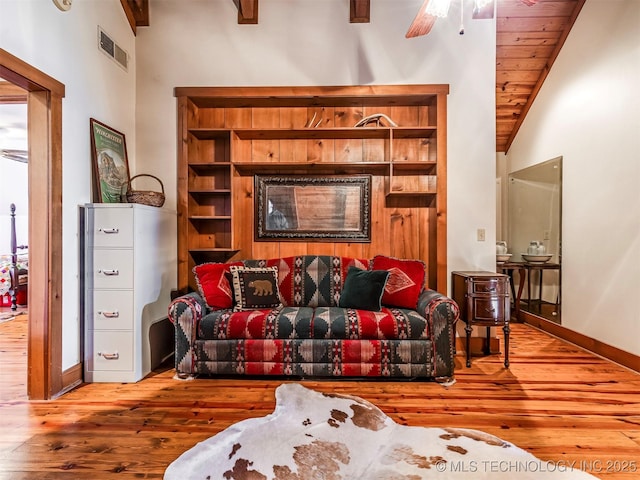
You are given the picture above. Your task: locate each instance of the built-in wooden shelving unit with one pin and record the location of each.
(229, 134)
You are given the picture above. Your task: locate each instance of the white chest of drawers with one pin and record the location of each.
(129, 271)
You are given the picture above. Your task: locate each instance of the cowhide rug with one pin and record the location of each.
(312, 435)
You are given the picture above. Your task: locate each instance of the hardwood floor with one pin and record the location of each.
(556, 401)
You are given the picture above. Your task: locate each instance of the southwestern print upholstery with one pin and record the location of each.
(310, 334)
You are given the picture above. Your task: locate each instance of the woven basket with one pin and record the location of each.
(145, 197)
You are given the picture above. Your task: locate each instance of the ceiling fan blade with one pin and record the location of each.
(422, 24)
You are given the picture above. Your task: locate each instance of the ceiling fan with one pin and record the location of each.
(430, 10)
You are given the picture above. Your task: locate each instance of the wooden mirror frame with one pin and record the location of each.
(314, 208)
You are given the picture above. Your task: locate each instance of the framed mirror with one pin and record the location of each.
(320, 208)
(535, 218)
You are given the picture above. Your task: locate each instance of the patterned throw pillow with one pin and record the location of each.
(255, 288)
(363, 289)
(214, 287)
(406, 280)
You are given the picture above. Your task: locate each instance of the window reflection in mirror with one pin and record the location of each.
(535, 215)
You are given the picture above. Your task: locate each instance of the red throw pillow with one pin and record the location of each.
(406, 280)
(214, 285)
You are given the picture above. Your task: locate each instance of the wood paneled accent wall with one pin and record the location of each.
(226, 135)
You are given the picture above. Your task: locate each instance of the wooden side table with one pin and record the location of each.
(540, 267)
(483, 298)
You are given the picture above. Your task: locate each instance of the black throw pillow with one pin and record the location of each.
(363, 289)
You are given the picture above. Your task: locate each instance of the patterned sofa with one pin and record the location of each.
(310, 334)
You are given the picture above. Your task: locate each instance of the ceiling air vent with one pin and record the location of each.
(110, 48)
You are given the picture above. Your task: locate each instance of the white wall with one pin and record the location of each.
(199, 43)
(588, 111)
(64, 46)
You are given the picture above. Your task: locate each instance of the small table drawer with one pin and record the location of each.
(113, 227)
(492, 287)
(489, 309)
(113, 351)
(113, 269)
(113, 309)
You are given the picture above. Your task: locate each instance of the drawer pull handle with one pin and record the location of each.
(110, 356)
(109, 230)
(489, 309)
(491, 289)
(115, 314)
(109, 273)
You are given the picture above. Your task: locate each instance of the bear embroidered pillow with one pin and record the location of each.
(255, 288)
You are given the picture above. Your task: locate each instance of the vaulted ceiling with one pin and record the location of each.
(530, 35)
(528, 41)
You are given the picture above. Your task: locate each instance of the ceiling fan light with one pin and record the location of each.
(438, 8)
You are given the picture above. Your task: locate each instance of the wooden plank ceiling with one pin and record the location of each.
(530, 35)
(528, 41)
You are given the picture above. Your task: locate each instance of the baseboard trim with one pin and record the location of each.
(609, 352)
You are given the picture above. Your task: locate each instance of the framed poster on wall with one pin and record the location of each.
(109, 153)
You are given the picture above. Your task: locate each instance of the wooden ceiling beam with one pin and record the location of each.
(137, 12)
(247, 11)
(359, 11)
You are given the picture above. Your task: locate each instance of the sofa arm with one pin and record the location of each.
(185, 313)
(442, 314)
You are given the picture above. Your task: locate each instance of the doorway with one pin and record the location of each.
(44, 133)
(14, 200)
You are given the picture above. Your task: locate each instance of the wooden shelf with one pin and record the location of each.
(249, 168)
(424, 168)
(209, 166)
(210, 133)
(413, 132)
(314, 133)
(218, 191)
(379, 168)
(408, 193)
(213, 250)
(207, 218)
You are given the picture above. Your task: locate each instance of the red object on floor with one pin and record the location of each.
(21, 299)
